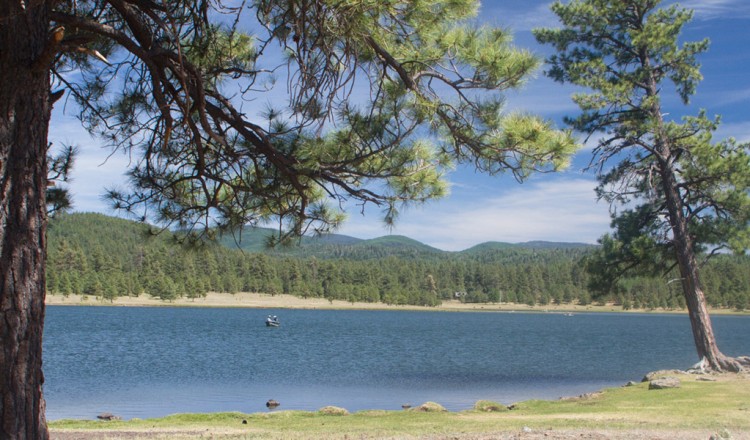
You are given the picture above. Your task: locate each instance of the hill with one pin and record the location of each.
(106, 257)
(94, 227)
(328, 245)
(255, 239)
(343, 246)
(494, 246)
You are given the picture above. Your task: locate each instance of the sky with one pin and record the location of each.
(552, 207)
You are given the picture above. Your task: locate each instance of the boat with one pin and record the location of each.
(272, 321)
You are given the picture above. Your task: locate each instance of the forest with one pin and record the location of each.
(107, 257)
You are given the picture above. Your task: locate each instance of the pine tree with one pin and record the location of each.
(683, 192)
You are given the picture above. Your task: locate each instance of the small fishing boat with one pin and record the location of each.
(272, 321)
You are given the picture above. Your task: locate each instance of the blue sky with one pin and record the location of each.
(554, 207)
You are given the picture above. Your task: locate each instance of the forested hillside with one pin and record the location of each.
(329, 246)
(108, 257)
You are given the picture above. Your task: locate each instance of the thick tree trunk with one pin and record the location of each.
(24, 120)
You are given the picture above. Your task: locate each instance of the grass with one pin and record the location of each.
(710, 406)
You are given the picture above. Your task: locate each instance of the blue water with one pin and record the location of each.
(149, 362)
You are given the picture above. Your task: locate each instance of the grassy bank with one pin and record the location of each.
(701, 407)
(281, 301)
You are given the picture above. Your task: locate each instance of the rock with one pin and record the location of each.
(430, 407)
(632, 383)
(700, 368)
(333, 411)
(272, 404)
(706, 379)
(405, 406)
(489, 406)
(660, 374)
(108, 417)
(664, 383)
(584, 396)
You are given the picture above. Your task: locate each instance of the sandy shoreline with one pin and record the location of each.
(282, 301)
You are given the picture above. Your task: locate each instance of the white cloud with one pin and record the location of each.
(562, 209)
(728, 97)
(95, 167)
(543, 96)
(738, 130)
(713, 9)
(520, 17)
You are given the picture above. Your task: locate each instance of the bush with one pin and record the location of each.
(333, 411)
(489, 406)
(430, 407)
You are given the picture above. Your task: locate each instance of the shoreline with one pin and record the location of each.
(612, 413)
(286, 301)
(625, 412)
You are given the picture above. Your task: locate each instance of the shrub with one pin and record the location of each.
(429, 407)
(489, 406)
(333, 411)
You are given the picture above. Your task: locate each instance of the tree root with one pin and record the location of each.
(739, 364)
(724, 364)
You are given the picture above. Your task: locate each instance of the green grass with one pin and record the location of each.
(696, 405)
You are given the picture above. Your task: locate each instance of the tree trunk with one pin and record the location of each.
(700, 321)
(24, 121)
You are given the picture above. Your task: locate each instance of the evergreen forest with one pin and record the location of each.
(108, 257)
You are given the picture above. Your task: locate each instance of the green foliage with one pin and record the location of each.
(59, 168)
(429, 94)
(489, 406)
(109, 257)
(683, 193)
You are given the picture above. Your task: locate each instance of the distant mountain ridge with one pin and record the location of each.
(344, 246)
(254, 239)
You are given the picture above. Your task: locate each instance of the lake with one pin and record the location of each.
(150, 362)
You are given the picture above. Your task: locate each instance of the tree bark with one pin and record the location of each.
(24, 122)
(700, 321)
